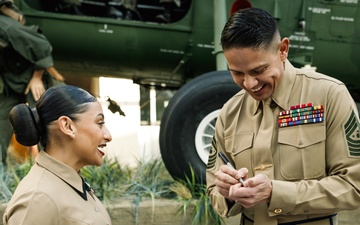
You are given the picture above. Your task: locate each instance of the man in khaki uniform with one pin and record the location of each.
(291, 134)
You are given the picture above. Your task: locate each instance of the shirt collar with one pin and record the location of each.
(281, 95)
(256, 105)
(61, 170)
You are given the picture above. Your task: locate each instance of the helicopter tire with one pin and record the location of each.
(193, 102)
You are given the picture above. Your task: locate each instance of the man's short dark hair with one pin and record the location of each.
(249, 28)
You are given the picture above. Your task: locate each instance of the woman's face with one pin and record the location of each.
(91, 135)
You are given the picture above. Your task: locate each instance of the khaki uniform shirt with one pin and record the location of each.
(48, 196)
(315, 166)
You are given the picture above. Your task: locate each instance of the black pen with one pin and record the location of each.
(227, 162)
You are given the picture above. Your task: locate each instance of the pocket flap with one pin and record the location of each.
(239, 142)
(302, 135)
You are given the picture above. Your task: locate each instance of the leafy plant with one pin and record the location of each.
(112, 182)
(5, 183)
(10, 176)
(108, 180)
(193, 196)
(149, 180)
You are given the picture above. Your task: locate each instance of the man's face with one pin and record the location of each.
(258, 71)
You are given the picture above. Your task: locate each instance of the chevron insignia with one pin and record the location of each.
(352, 132)
(212, 156)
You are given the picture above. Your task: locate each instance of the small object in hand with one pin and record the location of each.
(227, 162)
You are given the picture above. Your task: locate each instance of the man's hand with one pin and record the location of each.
(226, 177)
(257, 189)
(53, 72)
(36, 85)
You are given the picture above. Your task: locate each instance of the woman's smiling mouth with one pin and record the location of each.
(99, 149)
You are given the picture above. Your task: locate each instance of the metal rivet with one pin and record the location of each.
(277, 211)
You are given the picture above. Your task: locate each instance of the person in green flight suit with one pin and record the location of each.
(26, 67)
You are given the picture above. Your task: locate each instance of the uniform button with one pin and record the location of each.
(277, 211)
(301, 143)
(262, 167)
(97, 209)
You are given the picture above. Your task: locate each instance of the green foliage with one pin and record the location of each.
(193, 196)
(112, 182)
(148, 180)
(10, 176)
(109, 180)
(6, 181)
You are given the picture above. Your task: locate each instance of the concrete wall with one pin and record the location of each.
(165, 212)
(162, 212)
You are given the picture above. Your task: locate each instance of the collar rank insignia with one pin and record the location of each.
(301, 114)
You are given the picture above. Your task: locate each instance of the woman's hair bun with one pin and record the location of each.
(25, 126)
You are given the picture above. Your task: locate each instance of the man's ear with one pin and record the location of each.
(284, 48)
(66, 126)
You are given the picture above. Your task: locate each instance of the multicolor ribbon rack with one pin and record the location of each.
(301, 114)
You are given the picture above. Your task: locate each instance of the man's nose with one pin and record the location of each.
(250, 82)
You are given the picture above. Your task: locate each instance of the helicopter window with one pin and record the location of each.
(158, 11)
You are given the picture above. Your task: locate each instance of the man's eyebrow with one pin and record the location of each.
(101, 115)
(260, 66)
(235, 71)
(256, 68)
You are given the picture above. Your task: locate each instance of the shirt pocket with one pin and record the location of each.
(302, 151)
(239, 146)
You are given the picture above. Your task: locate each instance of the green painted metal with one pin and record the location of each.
(140, 50)
(323, 33)
(220, 18)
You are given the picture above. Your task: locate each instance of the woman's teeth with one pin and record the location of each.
(101, 151)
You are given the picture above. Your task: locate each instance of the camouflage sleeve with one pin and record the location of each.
(31, 45)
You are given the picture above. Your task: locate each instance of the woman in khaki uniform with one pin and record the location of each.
(69, 123)
(291, 134)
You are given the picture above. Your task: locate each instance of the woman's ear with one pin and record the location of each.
(66, 126)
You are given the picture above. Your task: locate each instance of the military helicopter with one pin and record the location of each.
(177, 46)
